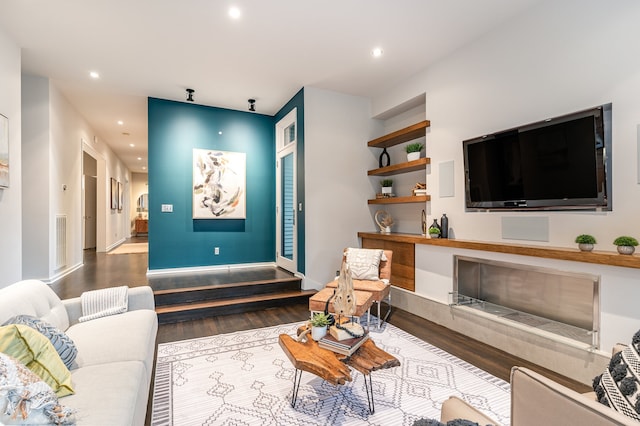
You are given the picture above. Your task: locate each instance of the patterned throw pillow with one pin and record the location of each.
(618, 386)
(364, 263)
(26, 400)
(63, 343)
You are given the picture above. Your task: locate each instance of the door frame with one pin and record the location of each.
(283, 149)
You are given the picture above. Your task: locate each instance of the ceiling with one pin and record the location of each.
(159, 48)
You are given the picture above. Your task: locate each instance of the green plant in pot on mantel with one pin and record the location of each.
(387, 186)
(413, 151)
(585, 242)
(434, 232)
(626, 245)
(319, 322)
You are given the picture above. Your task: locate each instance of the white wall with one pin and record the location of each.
(11, 198)
(558, 58)
(337, 128)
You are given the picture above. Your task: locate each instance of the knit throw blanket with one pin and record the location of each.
(104, 302)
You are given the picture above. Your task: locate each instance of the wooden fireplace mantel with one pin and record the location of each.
(610, 258)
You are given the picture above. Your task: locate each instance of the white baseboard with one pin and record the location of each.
(211, 268)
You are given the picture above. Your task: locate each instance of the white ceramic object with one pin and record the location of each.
(318, 333)
(387, 189)
(585, 247)
(626, 249)
(412, 156)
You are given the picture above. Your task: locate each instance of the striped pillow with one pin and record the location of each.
(63, 343)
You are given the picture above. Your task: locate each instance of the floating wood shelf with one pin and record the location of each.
(414, 131)
(401, 200)
(598, 257)
(411, 166)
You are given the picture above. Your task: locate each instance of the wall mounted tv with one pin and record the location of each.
(562, 163)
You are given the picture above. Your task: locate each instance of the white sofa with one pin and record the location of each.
(112, 372)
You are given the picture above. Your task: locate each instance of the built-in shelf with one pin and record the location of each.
(411, 166)
(611, 258)
(401, 200)
(414, 131)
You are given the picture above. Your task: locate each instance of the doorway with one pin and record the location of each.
(90, 206)
(286, 177)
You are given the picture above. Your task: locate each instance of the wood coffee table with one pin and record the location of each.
(334, 367)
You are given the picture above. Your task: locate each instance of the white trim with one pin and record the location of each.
(191, 270)
(62, 274)
(116, 244)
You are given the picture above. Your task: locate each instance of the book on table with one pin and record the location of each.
(344, 347)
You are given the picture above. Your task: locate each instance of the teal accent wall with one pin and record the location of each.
(298, 102)
(175, 239)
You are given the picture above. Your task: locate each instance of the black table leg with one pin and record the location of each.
(369, 388)
(296, 386)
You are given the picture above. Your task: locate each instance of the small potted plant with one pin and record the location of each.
(434, 232)
(387, 186)
(626, 245)
(413, 151)
(319, 322)
(585, 242)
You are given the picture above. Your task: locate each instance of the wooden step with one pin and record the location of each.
(211, 308)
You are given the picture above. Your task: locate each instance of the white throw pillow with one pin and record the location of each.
(364, 263)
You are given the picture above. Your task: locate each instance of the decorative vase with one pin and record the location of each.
(585, 247)
(444, 223)
(387, 189)
(318, 333)
(412, 156)
(384, 159)
(626, 249)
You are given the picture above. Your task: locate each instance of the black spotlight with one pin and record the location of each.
(190, 95)
(252, 105)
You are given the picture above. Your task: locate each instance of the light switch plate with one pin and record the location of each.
(167, 208)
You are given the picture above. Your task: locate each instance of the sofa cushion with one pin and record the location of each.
(124, 337)
(110, 394)
(35, 298)
(63, 344)
(618, 386)
(364, 264)
(26, 399)
(36, 352)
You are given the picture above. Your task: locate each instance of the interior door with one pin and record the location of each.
(90, 210)
(286, 214)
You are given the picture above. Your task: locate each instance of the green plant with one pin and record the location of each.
(386, 182)
(434, 230)
(585, 239)
(625, 241)
(320, 319)
(414, 147)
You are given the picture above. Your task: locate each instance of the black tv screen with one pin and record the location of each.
(556, 164)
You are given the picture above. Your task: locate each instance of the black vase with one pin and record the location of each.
(444, 223)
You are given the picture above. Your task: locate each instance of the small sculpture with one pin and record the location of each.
(344, 301)
(424, 223)
(384, 221)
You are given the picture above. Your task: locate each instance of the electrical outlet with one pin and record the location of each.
(216, 250)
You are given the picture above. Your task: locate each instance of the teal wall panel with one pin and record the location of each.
(175, 239)
(298, 102)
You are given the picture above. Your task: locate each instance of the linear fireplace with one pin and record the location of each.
(566, 304)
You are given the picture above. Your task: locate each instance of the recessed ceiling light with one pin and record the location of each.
(120, 122)
(139, 158)
(234, 12)
(132, 145)
(144, 168)
(94, 75)
(376, 52)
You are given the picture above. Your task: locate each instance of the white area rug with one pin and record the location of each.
(246, 379)
(131, 248)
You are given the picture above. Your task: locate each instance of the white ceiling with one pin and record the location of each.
(159, 48)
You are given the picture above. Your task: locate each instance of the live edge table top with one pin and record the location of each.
(331, 366)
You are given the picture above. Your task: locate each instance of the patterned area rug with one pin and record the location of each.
(245, 378)
(131, 248)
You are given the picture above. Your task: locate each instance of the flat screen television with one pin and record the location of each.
(561, 163)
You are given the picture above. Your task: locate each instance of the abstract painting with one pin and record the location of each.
(120, 197)
(114, 194)
(219, 184)
(4, 151)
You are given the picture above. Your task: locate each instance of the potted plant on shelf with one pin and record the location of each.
(626, 245)
(413, 151)
(319, 322)
(585, 242)
(387, 186)
(434, 232)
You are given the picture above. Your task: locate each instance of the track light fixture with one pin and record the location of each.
(252, 105)
(190, 95)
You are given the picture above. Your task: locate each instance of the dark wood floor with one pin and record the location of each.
(103, 270)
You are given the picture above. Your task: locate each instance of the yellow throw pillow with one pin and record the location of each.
(36, 352)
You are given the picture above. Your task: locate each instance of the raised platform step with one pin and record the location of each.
(210, 308)
(224, 292)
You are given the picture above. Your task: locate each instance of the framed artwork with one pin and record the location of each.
(4, 151)
(114, 194)
(120, 197)
(219, 184)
